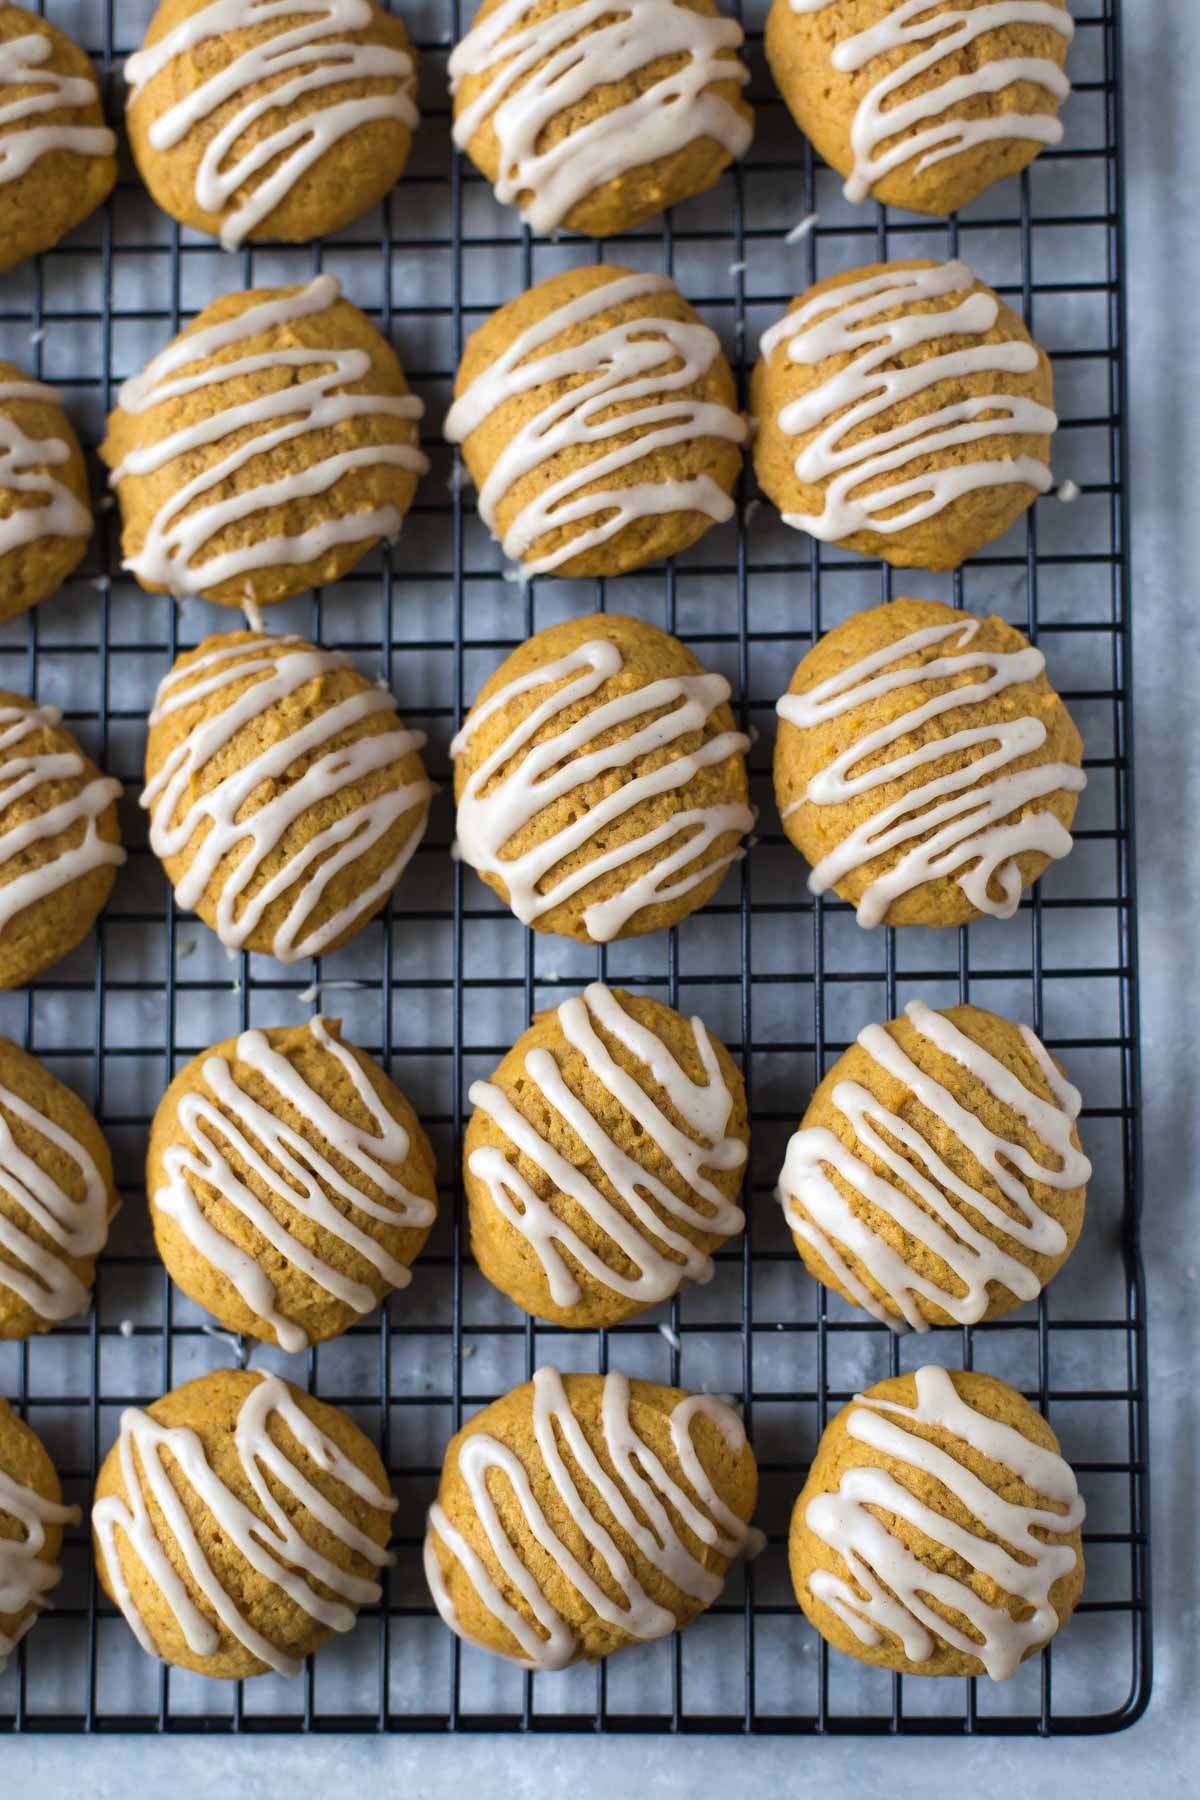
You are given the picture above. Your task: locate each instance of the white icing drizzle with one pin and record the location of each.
(211, 824)
(22, 774)
(628, 366)
(819, 1213)
(25, 463)
(638, 1500)
(268, 1540)
(847, 321)
(316, 402)
(315, 51)
(21, 65)
(578, 49)
(25, 1580)
(544, 772)
(77, 1227)
(705, 1107)
(899, 1586)
(959, 820)
(223, 1121)
(929, 39)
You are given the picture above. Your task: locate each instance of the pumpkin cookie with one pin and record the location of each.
(938, 1530)
(45, 512)
(584, 1513)
(278, 1524)
(32, 1517)
(925, 766)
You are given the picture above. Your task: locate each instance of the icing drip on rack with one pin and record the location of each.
(960, 820)
(638, 1500)
(848, 321)
(25, 465)
(488, 816)
(211, 825)
(223, 1122)
(899, 1586)
(938, 1215)
(21, 65)
(537, 70)
(313, 50)
(264, 1535)
(76, 1224)
(628, 365)
(705, 1108)
(930, 38)
(315, 401)
(22, 773)
(25, 1580)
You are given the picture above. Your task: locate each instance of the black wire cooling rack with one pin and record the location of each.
(441, 984)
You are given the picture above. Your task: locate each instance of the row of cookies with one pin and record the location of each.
(248, 122)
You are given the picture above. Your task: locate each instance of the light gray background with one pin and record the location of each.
(1162, 69)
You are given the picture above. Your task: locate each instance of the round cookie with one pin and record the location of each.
(937, 1176)
(280, 1518)
(604, 1159)
(32, 1517)
(598, 419)
(57, 156)
(290, 1183)
(922, 104)
(60, 840)
(45, 512)
(597, 121)
(285, 796)
(227, 146)
(581, 1514)
(938, 1530)
(904, 412)
(56, 1197)
(925, 766)
(266, 450)
(601, 786)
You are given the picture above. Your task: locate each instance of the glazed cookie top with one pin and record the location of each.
(598, 418)
(56, 1197)
(604, 1159)
(938, 1177)
(938, 1531)
(265, 450)
(601, 786)
(925, 766)
(597, 119)
(45, 517)
(290, 1183)
(261, 1536)
(285, 796)
(905, 412)
(31, 1526)
(251, 120)
(619, 1507)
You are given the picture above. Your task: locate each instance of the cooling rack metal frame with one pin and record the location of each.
(61, 1670)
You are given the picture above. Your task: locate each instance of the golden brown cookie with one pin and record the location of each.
(56, 1197)
(290, 1183)
(60, 841)
(604, 1159)
(251, 122)
(45, 512)
(32, 1517)
(601, 785)
(537, 396)
(938, 1530)
(904, 412)
(922, 103)
(937, 1177)
(584, 1513)
(285, 1518)
(57, 156)
(925, 766)
(266, 450)
(597, 121)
